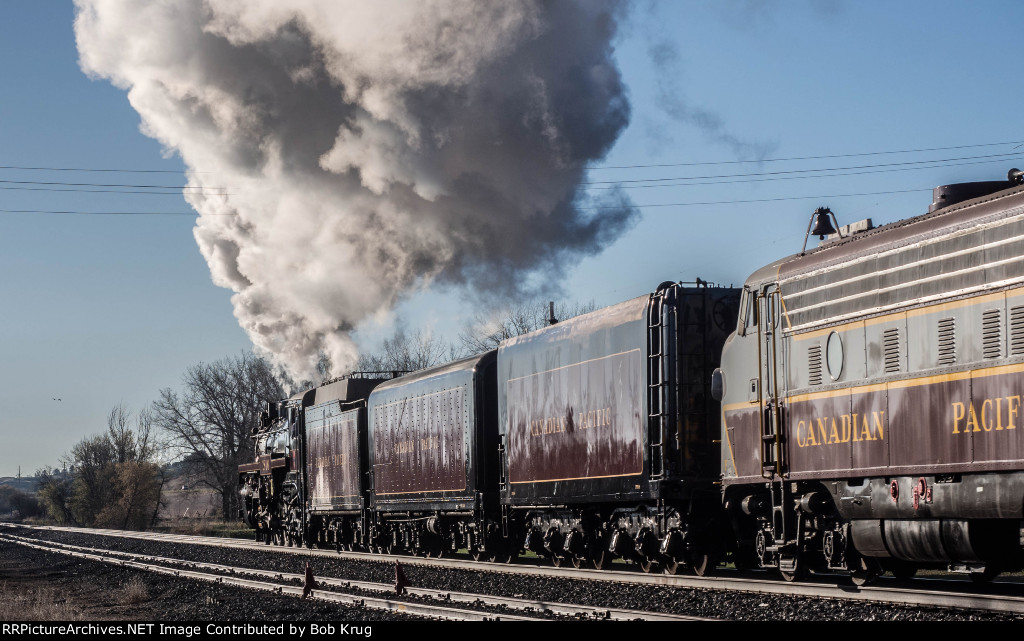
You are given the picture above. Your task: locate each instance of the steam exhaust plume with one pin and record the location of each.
(371, 149)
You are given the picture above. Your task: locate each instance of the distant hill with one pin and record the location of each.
(25, 484)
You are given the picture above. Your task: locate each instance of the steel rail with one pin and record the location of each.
(933, 596)
(395, 606)
(525, 605)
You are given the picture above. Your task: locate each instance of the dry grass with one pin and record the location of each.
(135, 592)
(204, 527)
(18, 603)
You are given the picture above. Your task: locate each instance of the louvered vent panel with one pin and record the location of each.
(814, 364)
(991, 333)
(1016, 330)
(947, 341)
(891, 350)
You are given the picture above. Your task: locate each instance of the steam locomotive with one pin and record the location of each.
(851, 408)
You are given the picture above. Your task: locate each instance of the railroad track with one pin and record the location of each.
(433, 604)
(1003, 597)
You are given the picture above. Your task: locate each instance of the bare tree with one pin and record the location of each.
(14, 500)
(54, 493)
(208, 423)
(408, 352)
(114, 481)
(485, 332)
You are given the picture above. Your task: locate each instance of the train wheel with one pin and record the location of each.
(476, 554)
(646, 564)
(867, 572)
(599, 559)
(703, 565)
(795, 574)
(557, 561)
(671, 565)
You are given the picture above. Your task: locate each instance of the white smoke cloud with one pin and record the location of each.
(370, 149)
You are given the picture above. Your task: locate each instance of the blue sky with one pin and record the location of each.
(102, 310)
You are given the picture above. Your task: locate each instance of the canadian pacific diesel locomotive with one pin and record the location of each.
(872, 396)
(591, 438)
(853, 408)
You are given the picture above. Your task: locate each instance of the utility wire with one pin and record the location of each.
(801, 171)
(108, 191)
(772, 178)
(756, 200)
(679, 164)
(66, 184)
(867, 153)
(650, 206)
(109, 213)
(124, 171)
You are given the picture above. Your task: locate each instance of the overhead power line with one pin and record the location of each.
(793, 158)
(67, 184)
(754, 200)
(109, 213)
(802, 171)
(93, 169)
(802, 177)
(107, 191)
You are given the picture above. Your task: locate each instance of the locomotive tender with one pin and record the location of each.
(852, 408)
(587, 439)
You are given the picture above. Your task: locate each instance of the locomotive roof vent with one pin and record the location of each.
(946, 195)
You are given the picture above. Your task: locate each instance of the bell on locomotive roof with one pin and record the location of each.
(822, 225)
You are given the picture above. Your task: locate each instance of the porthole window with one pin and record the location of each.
(834, 356)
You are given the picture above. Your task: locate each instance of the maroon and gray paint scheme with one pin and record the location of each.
(886, 366)
(929, 348)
